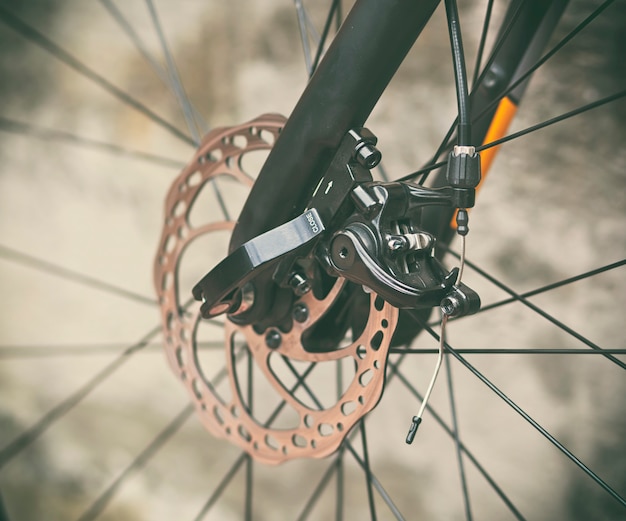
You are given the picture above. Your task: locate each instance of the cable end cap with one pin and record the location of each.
(413, 429)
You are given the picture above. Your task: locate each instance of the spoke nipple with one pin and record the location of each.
(413, 429)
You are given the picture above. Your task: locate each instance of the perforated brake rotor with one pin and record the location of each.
(318, 429)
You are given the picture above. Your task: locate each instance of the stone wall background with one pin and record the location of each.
(553, 207)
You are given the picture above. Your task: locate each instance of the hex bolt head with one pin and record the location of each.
(299, 284)
(300, 313)
(273, 339)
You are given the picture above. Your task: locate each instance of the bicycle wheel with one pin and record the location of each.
(94, 424)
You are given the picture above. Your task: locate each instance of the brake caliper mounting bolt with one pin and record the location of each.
(273, 339)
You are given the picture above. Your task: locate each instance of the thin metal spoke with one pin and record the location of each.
(177, 86)
(48, 134)
(510, 351)
(24, 439)
(158, 69)
(219, 490)
(555, 285)
(377, 485)
(540, 311)
(367, 471)
(327, 25)
(446, 141)
(594, 477)
(321, 486)
(340, 484)
(31, 34)
(339, 495)
(13, 352)
(303, 26)
(552, 121)
(564, 41)
(394, 371)
(24, 259)
(483, 40)
(301, 380)
(457, 440)
(96, 508)
(183, 98)
(242, 457)
(548, 287)
(248, 489)
(9, 352)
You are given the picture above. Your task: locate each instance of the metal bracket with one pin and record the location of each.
(367, 232)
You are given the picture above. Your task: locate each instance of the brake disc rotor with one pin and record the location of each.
(318, 429)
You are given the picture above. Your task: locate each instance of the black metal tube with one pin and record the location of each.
(364, 56)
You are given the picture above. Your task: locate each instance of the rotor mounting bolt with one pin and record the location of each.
(300, 313)
(273, 339)
(299, 284)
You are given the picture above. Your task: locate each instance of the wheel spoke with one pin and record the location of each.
(96, 508)
(304, 26)
(481, 44)
(457, 441)
(30, 33)
(364, 463)
(554, 285)
(48, 134)
(172, 70)
(31, 434)
(221, 487)
(394, 371)
(158, 69)
(24, 259)
(541, 61)
(321, 486)
(248, 489)
(540, 311)
(599, 481)
(243, 456)
(334, 8)
(339, 498)
(557, 119)
(12, 352)
(377, 485)
(367, 471)
(446, 142)
(510, 351)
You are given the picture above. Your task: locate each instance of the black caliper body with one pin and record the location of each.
(367, 232)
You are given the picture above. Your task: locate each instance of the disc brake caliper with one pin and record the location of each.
(364, 231)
